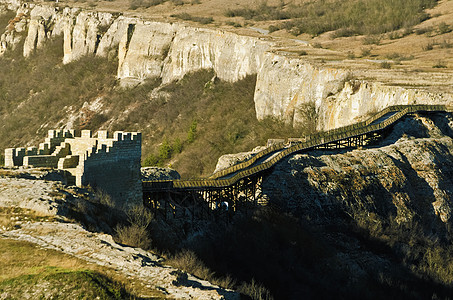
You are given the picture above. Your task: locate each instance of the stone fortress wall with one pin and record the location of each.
(109, 162)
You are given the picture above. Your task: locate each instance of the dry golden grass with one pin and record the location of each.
(7, 173)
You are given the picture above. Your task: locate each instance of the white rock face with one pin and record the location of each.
(83, 38)
(231, 56)
(112, 37)
(143, 48)
(12, 35)
(38, 28)
(358, 99)
(285, 85)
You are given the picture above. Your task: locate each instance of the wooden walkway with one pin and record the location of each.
(238, 187)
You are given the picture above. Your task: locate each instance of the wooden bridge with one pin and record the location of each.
(239, 186)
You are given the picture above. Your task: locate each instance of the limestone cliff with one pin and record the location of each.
(286, 86)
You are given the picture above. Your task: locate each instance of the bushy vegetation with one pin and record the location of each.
(188, 17)
(135, 4)
(199, 120)
(42, 90)
(136, 233)
(186, 124)
(345, 17)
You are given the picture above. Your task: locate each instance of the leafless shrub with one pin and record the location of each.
(136, 234)
(226, 282)
(440, 65)
(445, 44)
(372, 39)
(104, 198)
(188, 261)
(366, 52)
(385, 65)
(428, 47)
(255, 290)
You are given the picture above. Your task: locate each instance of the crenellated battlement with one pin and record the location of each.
(110, 161)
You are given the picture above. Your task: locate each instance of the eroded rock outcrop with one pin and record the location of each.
(289, 88)
(229, 160)
(143, 48)
(408, 178)
(232, 57)
(157, 173)
(41, 18)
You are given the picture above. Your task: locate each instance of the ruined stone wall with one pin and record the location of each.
(116, 169)
(107, 162)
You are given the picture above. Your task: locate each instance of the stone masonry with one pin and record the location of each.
(108, 162)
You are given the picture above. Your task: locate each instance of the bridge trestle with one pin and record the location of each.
(204, 202)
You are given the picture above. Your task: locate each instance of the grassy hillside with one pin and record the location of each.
(190, 123)
(349, 33)
(186, 124)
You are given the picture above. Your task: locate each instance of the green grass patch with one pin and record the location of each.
(28, 271)
(204, 119)
(53, 282)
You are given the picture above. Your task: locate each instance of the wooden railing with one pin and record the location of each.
(281, 150)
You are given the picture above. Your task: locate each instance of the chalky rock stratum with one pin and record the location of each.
(285, 84)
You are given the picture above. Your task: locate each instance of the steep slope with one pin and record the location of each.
(369, 223)
(341, 92)
(39, 93)
(406, 177)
